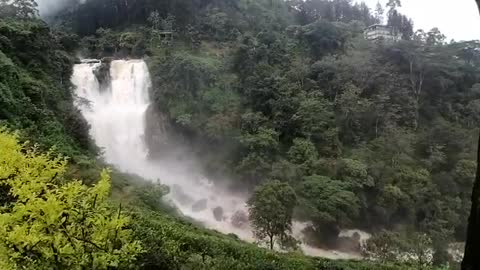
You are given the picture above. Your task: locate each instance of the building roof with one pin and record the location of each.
(377, 25)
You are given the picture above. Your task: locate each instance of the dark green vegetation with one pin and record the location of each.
(376, 136)
(35, 89)
(284, 95)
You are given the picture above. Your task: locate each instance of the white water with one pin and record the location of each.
(117, 117)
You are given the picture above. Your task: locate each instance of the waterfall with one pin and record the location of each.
(117, 116)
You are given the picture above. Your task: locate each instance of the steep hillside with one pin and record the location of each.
(370, 135)
(35, 88)
(291, 91)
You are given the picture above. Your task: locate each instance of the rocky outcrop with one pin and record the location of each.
(156, 135)
(102, 73)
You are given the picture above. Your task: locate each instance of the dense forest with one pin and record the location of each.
(302, 111)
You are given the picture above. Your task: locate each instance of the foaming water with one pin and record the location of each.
(117, 116)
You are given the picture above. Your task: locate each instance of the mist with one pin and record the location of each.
(48, 8)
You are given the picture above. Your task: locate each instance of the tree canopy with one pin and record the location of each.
(271, 211)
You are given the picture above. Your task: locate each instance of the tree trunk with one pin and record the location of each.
(472, 245)
(271, 242)
(471, 259)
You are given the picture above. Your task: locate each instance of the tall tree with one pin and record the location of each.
(271, 211)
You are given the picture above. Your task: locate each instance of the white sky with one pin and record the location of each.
(457, 19)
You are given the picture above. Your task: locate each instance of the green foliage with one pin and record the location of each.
(275, 86)
(304, 154)
(316, 120)
(172, 244)
(287, 101)
(327, 201)
(35, 92)
(411, 249)
(53, 224)
(151, 195)
(354, 172)
(271, 210)
(325, 37)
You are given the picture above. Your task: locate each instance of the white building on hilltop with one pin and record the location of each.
(381, 32)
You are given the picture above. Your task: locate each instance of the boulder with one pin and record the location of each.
(200, 205)
(239, 219)
(218, 213)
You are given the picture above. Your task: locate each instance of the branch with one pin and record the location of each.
(91, 243)
(68, 237)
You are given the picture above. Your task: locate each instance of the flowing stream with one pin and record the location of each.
(117, 116)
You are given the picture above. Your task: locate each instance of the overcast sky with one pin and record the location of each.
(457, 19)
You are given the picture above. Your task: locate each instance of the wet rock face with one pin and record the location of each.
(102, 72)
(218, 213)
(240, 219)
(200, 205)
(159, 134)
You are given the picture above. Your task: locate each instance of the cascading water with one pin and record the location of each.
(117, 116)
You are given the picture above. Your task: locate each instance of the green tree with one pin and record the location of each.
(325, 37)
(154, 20)
(304, 154)
(316, 119)
(328, 203)
(354, 172)
(54, 223)
(271, 211)
(260, 147)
